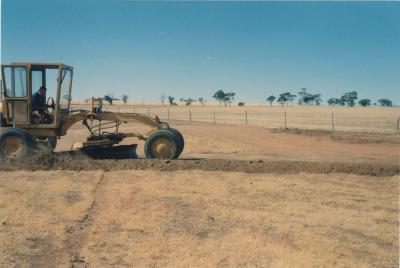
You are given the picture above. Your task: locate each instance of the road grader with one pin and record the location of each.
(22, 132)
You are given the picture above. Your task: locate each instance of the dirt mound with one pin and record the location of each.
(78, 162)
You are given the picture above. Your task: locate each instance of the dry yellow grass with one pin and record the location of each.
(197, 219)
(357, 119)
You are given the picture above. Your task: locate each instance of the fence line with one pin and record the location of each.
(339, 120)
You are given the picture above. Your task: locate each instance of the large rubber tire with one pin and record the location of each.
(180, 138)
(162, 144)
(15, 144)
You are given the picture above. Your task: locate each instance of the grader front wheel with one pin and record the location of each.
(162, 144)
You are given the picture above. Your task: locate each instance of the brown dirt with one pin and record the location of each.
(78, 162)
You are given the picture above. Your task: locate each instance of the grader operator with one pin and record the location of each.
(26, 124)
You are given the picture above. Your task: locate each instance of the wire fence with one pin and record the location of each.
(352, 119)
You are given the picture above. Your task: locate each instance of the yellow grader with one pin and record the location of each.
(24, 128)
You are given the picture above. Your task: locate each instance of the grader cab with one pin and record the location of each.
(35, 111)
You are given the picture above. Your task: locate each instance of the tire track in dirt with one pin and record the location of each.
(78, 232)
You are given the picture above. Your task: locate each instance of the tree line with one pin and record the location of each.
(306, 98)
(303, 98)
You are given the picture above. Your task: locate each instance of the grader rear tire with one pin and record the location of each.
(162, 144)
(15, 144)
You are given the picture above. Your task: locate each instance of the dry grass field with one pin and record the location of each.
(352, 119)
(199, 218)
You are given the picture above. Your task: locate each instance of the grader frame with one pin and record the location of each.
(20, 134)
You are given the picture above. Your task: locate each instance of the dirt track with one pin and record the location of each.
(67, 161)
(242, 149)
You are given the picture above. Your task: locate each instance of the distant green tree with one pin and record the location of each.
(349, 98)
(219, 96)
(225, 97)
(201, 100)
(229, 96)
(162, 98)
(282, 99)
(271, 99)
(316, 99)
(108, 99)
(171, 100)
(188, 101)
(385, 102)
(306, 98)
(125, 98)
(333, 101)
(364, 102)
(285, 98)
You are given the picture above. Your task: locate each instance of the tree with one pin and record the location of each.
(171, 100)
(316, 99)
(229, 96)
(282, 99)
(162, 98)
(188, 101)
(290, 98)
(202, 100)
(125, 98)
(271, 99)
(108, 99)
(333, 101)
(349, 98)
(286, 98)
(219, 96)
(364, 102)
(385, 102)
(306, 98)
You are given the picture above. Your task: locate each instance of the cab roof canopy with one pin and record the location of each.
(43, 65)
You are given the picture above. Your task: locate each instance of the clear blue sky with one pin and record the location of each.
(192, 49)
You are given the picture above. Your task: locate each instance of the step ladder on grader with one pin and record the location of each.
(26, 128)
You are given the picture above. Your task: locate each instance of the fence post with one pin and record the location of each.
(398, 125)
(134, 110)
(148, 111)
(333, 123)
(285, 121)
(190, 115)
(245, 112)
(214, 117)
(168, 113)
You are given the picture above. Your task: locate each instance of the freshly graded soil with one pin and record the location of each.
(79, 162)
